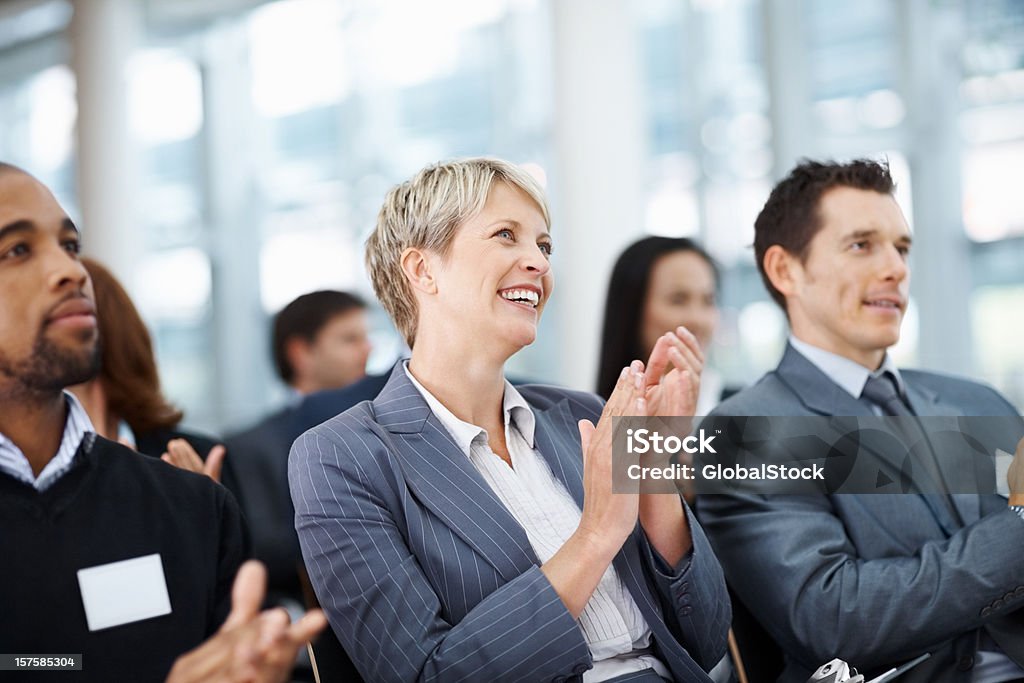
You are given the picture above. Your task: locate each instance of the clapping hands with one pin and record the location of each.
(251, 646)
(673, 393)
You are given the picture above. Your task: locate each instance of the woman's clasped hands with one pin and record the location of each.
(667, 387)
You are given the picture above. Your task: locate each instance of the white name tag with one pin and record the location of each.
(123, 592)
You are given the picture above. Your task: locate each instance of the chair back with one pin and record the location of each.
(331, 663)
(760, 657)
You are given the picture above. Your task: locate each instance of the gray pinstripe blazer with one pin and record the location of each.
(424, 574)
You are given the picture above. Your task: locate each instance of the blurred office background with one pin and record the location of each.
(224, 156)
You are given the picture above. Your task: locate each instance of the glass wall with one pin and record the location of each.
(267, 134)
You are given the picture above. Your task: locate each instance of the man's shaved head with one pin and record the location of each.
(10, 168)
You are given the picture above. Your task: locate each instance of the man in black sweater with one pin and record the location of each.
(124, 560)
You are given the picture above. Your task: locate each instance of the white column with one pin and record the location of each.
(789, 79)
(234, 205)
(597, 199)
(103, 35)
(941, 282)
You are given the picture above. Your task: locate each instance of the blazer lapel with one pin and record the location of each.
(928, 405)
(553, 433)
(815, 389)
(445, 481)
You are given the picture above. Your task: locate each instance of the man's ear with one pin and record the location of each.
(783, 269)
(299, 353)
(418, 270)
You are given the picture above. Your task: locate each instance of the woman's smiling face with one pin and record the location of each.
(496, 277)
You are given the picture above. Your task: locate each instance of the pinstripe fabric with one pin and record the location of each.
(425, 575)
(611, 622)
(76, 427)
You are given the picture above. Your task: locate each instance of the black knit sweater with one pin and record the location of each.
(114, 504)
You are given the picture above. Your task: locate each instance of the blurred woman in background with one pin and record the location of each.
(658, 284)
(124, 401)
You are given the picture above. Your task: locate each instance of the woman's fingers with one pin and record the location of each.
(682, 342)
(691, 342)
(619, 401)
(587, 429)
(640, 407)
(214, 462)
(686, 344)
(184, 456)
(657, 364)
(181, 454)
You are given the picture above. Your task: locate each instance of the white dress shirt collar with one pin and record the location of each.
(76, 427)
(848, 374)
(515, 409)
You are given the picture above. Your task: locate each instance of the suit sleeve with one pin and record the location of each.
(791, 561)
(693, 595)
(377, 598)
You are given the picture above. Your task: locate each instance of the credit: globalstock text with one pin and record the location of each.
(644, 441)
(678, 471)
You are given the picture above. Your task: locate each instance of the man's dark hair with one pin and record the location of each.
(304, 318)
(790, 217)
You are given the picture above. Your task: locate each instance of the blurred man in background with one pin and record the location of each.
(320, 342)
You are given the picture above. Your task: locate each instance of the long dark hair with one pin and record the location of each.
(128, 366)
(624, 305)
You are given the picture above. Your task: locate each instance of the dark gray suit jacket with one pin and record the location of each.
(259, 460)
(874, 579)
(426, 576)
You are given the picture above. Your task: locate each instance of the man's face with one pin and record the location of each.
(48, 333)
(339, 351)
(850, 294)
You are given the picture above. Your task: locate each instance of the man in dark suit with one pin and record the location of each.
(873, 579)
(319, 343)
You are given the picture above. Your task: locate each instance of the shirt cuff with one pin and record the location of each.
(661, 566)
(1019, 510)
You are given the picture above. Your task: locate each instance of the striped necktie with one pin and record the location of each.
(881, 390)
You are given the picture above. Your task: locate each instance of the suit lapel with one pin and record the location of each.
(629, 565)
(815, 389)
(445, 481)
(553, 434)
(929, 405)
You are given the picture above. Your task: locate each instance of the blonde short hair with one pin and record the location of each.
(424, 213)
